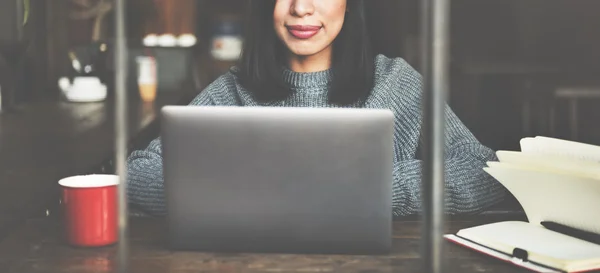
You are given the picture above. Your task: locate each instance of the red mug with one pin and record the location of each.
(90, 209)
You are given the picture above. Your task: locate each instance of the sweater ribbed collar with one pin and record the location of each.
(301, 80)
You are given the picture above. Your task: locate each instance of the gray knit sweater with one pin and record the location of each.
(398, 88)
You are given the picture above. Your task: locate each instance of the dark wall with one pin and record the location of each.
(25, 48)
(567, 30)
(8, 19)
(486, 33)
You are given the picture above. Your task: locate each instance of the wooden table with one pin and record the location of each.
(37, 247)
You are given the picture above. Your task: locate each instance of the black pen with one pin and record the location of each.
(573, 232)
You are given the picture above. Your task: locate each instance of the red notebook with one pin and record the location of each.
(557, 182)
(530, 246)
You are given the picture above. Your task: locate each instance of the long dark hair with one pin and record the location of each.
(264, 55)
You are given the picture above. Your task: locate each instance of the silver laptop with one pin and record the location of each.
(282, 180)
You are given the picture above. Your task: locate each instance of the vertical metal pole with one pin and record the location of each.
(435, 30)
(19, 18)
(121, 131)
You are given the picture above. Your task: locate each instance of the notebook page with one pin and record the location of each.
(499, 255)
(551, 163)
(555, 146)
(548, 196)
(528, 145)
(535, 239)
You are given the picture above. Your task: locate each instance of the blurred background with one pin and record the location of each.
(518, 68)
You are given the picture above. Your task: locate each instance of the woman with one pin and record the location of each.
(313, 53)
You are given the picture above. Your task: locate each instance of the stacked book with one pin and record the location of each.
(557, 182)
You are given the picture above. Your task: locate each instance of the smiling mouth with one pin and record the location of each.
(303, 31)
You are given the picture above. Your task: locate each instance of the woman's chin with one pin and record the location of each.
(302, 53)
(305, 51)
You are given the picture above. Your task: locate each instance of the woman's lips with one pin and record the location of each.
(303, 31)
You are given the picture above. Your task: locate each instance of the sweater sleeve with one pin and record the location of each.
(468, 188)
(145, 187)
